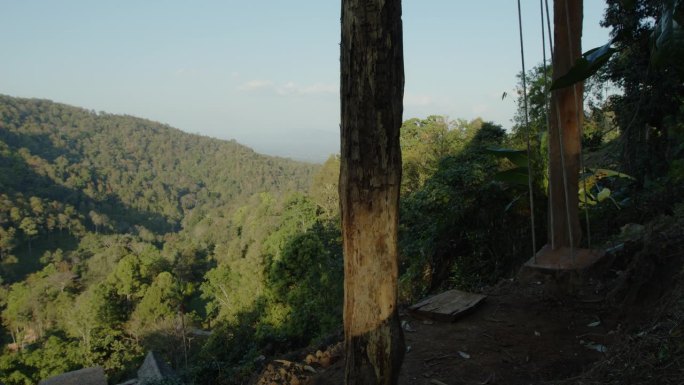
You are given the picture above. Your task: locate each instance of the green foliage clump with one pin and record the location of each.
(283, 292)
(305, 283)
(460, 229)
(648, 110)
(55, 356)
(425, 142)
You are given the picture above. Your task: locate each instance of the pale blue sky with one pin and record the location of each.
(265, 73)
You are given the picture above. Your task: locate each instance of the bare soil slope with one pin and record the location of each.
(522, 334)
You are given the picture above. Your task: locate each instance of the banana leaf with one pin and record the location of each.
(590, 62)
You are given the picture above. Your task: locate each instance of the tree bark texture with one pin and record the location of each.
(565, 125)
(371, 94)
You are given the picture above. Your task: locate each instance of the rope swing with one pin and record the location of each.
(527, 126)
(547, 107)
(550, 111)
(581, 131)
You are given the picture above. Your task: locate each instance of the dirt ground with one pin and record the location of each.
(522, 334)
(625, 328)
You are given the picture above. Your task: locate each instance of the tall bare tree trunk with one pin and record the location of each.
(566, 121)
(372, 89)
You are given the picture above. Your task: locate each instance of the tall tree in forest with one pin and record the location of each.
(648, 110)
(30, 229)
(565, 129)
(372, 89)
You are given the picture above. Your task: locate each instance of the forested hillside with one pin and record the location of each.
(111, 226)
(130, 166)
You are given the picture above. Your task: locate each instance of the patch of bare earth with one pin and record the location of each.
(521, 334)
(627, 328)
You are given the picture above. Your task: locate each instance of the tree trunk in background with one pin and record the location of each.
(566, 117)
(372, 89)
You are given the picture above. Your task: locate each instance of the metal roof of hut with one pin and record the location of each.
(154, 368)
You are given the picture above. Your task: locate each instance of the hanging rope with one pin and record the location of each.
(545, 3)
(562, 156)
(548, 27)
(547, 109)
(527, 126)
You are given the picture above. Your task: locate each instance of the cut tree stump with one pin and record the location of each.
(447, 306)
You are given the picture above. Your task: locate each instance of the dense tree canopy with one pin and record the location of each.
(649, 109)
(114, 228)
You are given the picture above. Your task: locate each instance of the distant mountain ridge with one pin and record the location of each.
(113, 162)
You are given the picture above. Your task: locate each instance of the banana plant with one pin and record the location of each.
(590, 190)
(587, 65)
(516, 175)
(667, 40)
